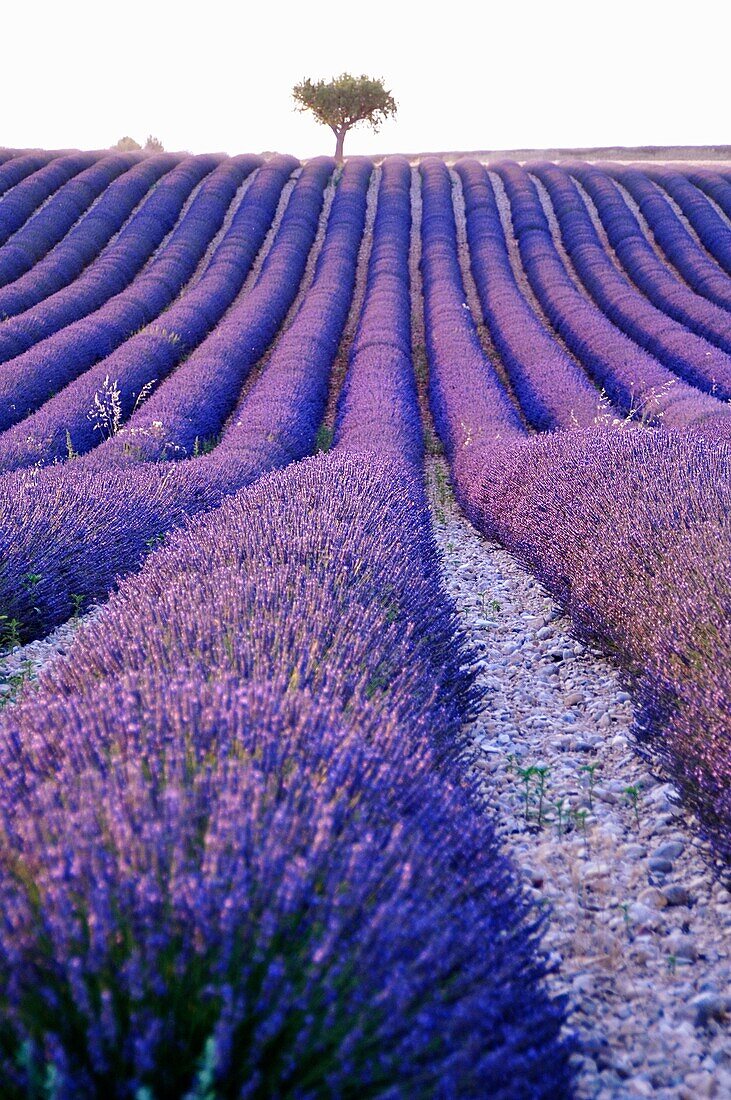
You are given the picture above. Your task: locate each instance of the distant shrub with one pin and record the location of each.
(127, 145)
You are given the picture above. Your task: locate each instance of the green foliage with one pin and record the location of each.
(560, 817)
(490, 606)
(539, 773)
(324, 440)
(204, 445)
(9, 632)
(590, 769)
(343, 102)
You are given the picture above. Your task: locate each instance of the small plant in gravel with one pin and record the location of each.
(540, 774)
(432, 445)
(442, 484)
(560, 818)
(15, 683)
(526, 777)
(490, 606)
(627, 923)
(590, 770)
(632, 794)
(543, 773)
(421, 370)
(580, 819)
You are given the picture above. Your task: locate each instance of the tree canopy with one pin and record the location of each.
(343, 102)
(127, 145)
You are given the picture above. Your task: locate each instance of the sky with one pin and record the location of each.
(213, 76)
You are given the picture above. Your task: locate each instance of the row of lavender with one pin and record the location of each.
(631, 374)
(46, 579)
(690, 355)
(61, 253)
(62, 425)
(628, 528)
(119, 491)
(130, 504)
(356, 930)
(45, 348)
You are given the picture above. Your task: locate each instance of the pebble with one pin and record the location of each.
(656, 899)
(642, 916)
(605, 795)
(669, 851)
(573, 698)
(682, 946)
(709, 1006)
(639, 926)
(676, 894)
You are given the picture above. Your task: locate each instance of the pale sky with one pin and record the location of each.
(215, 76)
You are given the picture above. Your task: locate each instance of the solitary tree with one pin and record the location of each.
(154, 145)
(343, 102)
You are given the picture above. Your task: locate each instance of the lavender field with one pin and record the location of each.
(250, 411)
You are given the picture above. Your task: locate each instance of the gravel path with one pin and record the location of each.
(640, 929)
(20, 664)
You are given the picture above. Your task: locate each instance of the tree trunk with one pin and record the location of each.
(339, 142)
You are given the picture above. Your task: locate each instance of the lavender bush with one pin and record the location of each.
(66, 425)
(47, 227)
(84, 242)
(654, 278)
(630, 531)
(113, 271)
(357, 928)
(17, 205)
(689, 355)
(698, 270)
